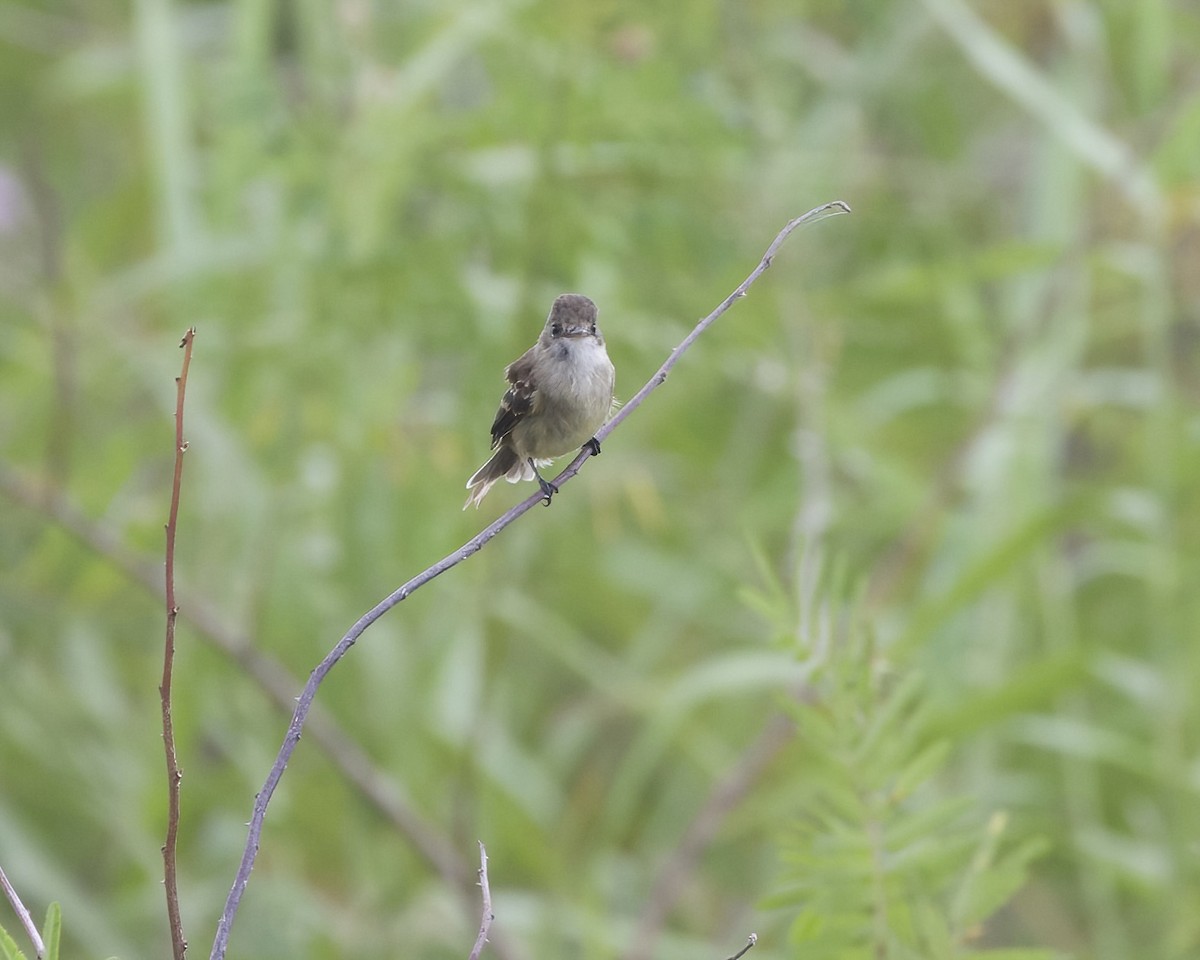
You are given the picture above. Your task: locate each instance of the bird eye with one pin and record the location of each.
(556, 329)
(593, 329)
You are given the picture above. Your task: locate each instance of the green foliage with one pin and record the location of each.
(52, 930)
(967, 412)
(880, 862)
(51, 934)
(9, 946)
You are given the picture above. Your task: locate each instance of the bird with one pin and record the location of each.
(560, 393)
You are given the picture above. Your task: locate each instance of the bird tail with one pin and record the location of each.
(504, 463)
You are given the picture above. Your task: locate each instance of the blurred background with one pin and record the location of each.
(874, 631)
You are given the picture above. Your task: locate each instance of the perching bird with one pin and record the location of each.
(561, 393)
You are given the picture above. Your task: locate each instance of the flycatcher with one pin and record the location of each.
(561, 391)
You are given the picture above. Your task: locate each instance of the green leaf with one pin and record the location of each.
(987, 572)
(52, 930)
(988, 886)
(8, 947)
(921, 768)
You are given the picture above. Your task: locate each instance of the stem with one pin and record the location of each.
(474, 545)
(174, 776)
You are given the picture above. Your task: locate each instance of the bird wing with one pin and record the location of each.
(518, 399)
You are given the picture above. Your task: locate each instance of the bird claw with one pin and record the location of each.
(548, 490)
(594, 446)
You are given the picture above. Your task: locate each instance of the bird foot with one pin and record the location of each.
(548, 489)
(593, 445)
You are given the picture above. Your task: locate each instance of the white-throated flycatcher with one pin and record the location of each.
(561, 391)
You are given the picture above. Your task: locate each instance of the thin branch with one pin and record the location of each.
(486, 923)
(381, 791)
(750, 941)
(26, 920)
(670, 883)
(831, 209)
(271, 676)
(169, 849)
(471, 547)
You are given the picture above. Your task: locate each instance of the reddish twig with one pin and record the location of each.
(474, 545)
(486, 923)
(23, 915)
(385, 793)
(178, 943)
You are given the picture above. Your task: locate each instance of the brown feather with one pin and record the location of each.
(517, 401)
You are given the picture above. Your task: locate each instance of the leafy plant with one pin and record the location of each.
(879, 863)
(51, 934)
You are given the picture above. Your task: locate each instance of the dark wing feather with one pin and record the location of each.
(518, 399)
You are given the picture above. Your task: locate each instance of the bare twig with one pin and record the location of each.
(170, 882)
(471, 547)
(379, 790)
(26, 920)
(486, 923)
(271, 676)
(725, 796)
(383, 792)
(750, 941)
(818, 213)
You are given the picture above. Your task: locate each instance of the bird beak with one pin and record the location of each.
(571, 330)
